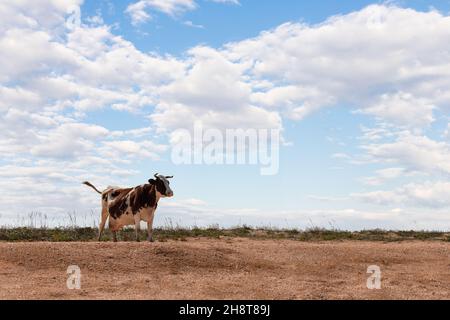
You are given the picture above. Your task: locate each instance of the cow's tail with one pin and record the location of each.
(92, 186)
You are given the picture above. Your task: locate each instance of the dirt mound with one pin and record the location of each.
(225, 269)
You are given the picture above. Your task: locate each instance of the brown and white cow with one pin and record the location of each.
(128, 206)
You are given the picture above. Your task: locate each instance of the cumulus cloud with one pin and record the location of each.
(289, 61)
(403, 109)
(415, 152)
(29, 14)
(128, 148)
(68, 140)
(214, 92)
(371, 60)
(429, 194)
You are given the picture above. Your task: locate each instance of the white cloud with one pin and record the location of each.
(403, 109)
(128, 148)
(414, 152)
(31, 53)
(381, 131)
(52, 76)
(68, 140)
(298, 101)
(96, 20)
(227, 1)
(429, 194)
(139, 11)
(214, 91)
(139, 14)
(193, 25)
(384, 175)
(290, 61)
(369, 60)
(30, 14)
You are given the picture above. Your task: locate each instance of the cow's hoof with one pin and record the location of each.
(151, 240)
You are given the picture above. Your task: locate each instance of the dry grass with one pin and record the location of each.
(164, 234)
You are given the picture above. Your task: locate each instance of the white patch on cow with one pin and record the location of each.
(146, 213)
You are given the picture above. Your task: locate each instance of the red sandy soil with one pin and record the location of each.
(225, 269)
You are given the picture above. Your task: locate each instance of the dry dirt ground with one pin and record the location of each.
(225, 269)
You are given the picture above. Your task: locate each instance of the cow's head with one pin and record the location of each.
(162, 185)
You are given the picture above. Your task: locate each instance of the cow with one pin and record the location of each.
(128, 206)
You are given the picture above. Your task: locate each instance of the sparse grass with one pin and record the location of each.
(24, 234)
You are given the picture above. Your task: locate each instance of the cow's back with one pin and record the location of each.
(118, 201)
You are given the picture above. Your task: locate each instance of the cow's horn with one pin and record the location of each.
(169, 177)
(156, 175)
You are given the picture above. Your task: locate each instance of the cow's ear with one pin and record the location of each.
(152, 181)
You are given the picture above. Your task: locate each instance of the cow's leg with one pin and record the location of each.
(137, 226)
(150, 226)
(102, 222)
(113, 227)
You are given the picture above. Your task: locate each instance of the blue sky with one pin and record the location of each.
(228, 22)
(359, 90)
(248, 20)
